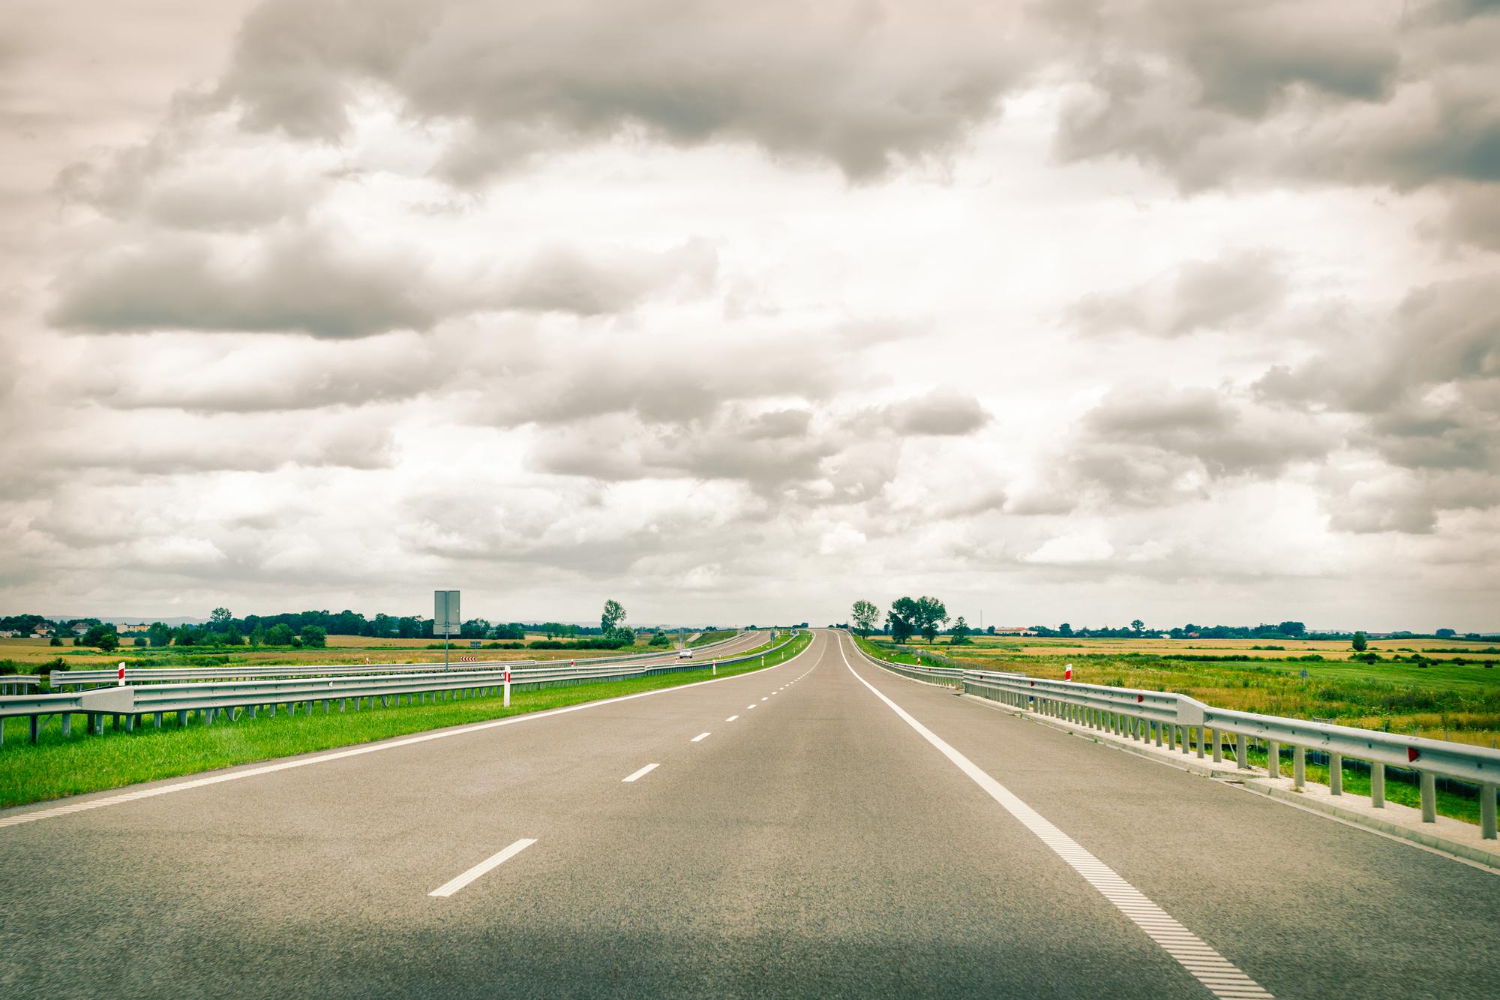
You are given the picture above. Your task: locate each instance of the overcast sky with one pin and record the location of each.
(738, 312)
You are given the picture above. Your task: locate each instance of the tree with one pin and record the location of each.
(258, 636)
(1294, 629)
(1064, 629)
(930, 616)
(108, 642)
(279, 634)
(219, 619)
(989, 630)
(904, 619)
(96, 635)
(961, 633)
(614, 614)
(1445, 633)
(159, 634)
(314, 637)
(54, 641)
(660, 639)
(1360, 644)
(866, 616)
(138, 642)
(1138, 626)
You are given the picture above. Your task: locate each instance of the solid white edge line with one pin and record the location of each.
(493, 861)
(52, 812)
(1177, 941)
(700, 736)
(641, 773)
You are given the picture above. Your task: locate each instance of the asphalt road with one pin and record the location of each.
(819, 844)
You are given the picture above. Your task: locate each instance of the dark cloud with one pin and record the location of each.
(300, 282)
(856, 84)
(942, 412)
(1232, 291)
(1307, 92)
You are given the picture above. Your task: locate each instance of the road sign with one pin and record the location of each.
(445, 617)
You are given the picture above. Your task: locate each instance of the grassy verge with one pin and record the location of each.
(719, 636)
(1356, 783)
(56, 766)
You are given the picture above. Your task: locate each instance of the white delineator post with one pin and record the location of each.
(715, 668)
(507, 687)
(121, 674)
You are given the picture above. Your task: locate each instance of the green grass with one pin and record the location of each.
(708, 637)
(1400, 697)
(56, 766)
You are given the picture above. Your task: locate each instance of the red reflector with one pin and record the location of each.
(1140, 697)
(1412, 753)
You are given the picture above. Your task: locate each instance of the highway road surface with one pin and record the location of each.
(821, 828)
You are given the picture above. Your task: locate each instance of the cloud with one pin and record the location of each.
(857, 85)
(1230, 292)
(942, 412)
(297, 282)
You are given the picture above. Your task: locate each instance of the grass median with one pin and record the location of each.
(56, 766)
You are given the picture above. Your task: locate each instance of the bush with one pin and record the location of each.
(139, 642)
(108, 642)
(9, 667)
(314, 637)
(54, 641)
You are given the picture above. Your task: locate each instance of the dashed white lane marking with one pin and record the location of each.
(1221, 977)
(731, 718)
(766, 698)
(493, 861)
(16, 819)
(642, 772)
(749, 706)
(700, 736)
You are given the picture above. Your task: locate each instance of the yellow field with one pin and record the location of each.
(1032, 646)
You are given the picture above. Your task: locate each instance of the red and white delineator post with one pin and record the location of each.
(716, 668)
(1068, 672)
(507, 687)
(121, 675)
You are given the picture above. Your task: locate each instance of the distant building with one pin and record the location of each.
(140, 629)
(9, 634)
(80, 629)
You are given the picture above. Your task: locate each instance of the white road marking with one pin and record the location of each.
(1190, 951)
(731, 718)
(494, 861)
(749, 706)
(34, 815)
(700, 736)
(642, 772)
(766, 698)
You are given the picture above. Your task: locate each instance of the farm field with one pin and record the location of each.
(1452, 701)
(28, 654)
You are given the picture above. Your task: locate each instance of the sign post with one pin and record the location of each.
(445, 618)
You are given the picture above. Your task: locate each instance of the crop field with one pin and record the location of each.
(28, 654)
(1439, 700)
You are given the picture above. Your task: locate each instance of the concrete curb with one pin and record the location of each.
(1255, 780)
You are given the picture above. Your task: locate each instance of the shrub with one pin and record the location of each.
(54, 641)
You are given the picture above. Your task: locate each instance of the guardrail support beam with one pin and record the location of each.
(1273, 760)
(1377, 784)
(1487, 829)
(1299, 768)
(1241, 752)
(67, 724)
(1429, 797)
(1335, 774)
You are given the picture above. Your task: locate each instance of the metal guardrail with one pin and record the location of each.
(213, 699)
(13, 683)
(156, 675)
(1184, 723)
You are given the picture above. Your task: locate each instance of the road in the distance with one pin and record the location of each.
(816, 845)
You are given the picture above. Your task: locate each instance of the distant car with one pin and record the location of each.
(684, 654)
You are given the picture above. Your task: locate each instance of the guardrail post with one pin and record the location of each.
(1171, 735)
(1241, 752)
(1273, 759)
(1218, 737)
(1335, 774)
(1202, 733)
(1429, 797)
(1299, 768)
(1487, 829)
(1377, 784)
(67, 725)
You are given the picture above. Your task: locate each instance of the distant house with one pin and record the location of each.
(9, 634)
(80, 629)
(140, 629)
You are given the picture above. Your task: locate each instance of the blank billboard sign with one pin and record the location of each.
(445, 617)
